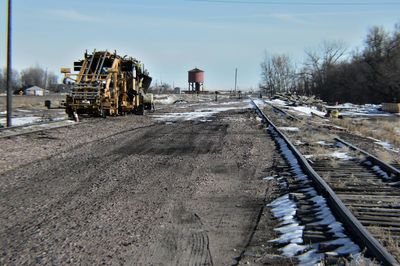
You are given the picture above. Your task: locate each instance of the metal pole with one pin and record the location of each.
(45, 80)
(9, 89)
(235, 79)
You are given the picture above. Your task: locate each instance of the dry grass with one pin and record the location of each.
(351, 181)
(378, 129)
(360, 260)
(384, 236)
(340, 183)
(386, 156)
(327, 177)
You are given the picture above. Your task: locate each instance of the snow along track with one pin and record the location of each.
(341, 212)
(365, 184)
(9, 132)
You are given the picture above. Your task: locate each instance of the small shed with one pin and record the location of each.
(36, 91)
(177, 90)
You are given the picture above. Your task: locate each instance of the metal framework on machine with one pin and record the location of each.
(107, 84)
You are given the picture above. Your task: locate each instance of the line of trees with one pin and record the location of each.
(31, 76)
(331, 72)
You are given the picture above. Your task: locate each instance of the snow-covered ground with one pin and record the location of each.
(353, 110)
(386, 145)
(306, 110)
(291, 129)
(346, 109)
(165, 99)
(203, 114)
(276, 102)
(20, 121)
(28, 120)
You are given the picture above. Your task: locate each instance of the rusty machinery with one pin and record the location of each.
(107, 84)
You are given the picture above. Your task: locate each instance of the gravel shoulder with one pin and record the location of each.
(130, 190)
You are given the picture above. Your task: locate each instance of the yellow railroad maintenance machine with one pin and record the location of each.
(107, 85)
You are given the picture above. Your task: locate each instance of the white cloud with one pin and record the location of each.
(298, 18)
(71, 15)
(288, 18)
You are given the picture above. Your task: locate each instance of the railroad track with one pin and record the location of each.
(361, 193)
(34, 128)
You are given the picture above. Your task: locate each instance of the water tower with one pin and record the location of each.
(196, 80)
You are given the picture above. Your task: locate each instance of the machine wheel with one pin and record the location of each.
(70, 114)
(102, 113)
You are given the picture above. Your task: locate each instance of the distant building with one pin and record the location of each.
(36, 91)
(177, 90)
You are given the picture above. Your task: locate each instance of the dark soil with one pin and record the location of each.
(128, 190)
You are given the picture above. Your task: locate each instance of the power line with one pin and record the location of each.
(297, 3)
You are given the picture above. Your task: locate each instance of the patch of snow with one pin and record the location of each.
(199, 114)
(292, 249)
(353, 110)
(343, 106)
(269, 178)
(284, 208)
(311, 257)
(305, 110)
(340, 155)
(380, 172)
(58, 118)
(23, 111)
(339, 144)
(20, 121)
(291, 129)
(224, 103)
(276, 102)
(353, 114)
(162, 99)
(323, 143)
(386, 145)
(260, 103)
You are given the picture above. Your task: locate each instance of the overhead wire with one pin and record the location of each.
(288, 3)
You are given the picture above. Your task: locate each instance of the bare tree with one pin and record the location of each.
(382, 57)
(33, 76)
(278, 73)
(322, 60)
(52, 81)
(2, 86)
(368, 75)
(325, 56)
(15, 80)
(377, 42)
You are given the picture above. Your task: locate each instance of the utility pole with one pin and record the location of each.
(45, 80)
(9, 89)
(235, 79)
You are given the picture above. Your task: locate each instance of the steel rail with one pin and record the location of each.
(284, 112)
(386, 167)
(38, 130)
(361, 235)
(32, 124)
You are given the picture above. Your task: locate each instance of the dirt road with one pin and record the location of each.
(135, 191)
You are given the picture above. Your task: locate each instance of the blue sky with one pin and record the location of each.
(173, 36)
